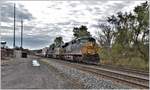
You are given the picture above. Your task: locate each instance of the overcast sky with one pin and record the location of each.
(45, 20)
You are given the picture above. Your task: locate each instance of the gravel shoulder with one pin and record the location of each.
(20, 74)
(89, 80)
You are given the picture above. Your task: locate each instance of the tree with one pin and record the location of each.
(81, 31)
(105, 35)
(123, 28)
(142, 17)
(58, 41)
(129, 33)
(52, 46)
(131, 29)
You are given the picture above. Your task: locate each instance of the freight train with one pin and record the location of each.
(84, 49)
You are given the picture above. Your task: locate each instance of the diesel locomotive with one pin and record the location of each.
(84, 49)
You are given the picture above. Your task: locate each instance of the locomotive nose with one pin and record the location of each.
(90, 53)
(89, 49)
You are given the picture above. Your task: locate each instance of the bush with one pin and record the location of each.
(118, 56)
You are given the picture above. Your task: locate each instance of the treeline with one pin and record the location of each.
(126, 36)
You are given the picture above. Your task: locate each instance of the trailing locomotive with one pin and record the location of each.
(84, 49)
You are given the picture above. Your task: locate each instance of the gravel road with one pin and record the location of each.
(20, 74)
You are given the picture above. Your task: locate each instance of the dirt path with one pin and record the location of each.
(20, 74)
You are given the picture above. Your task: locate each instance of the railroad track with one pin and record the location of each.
(136, 72)
(117, 68)
(133, 80)
(127, 70)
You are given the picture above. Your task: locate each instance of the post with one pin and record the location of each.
(21, 33)
(14, 25)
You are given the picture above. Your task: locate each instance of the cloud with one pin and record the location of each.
(64, 23)
(28, 42)
(46, 20)
(7, 12)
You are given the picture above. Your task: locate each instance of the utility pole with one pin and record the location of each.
(14, 24)
(21, 33)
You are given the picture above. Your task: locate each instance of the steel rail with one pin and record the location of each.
(133, 71)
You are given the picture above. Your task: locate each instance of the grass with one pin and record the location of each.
(124, 58)
(134, 62)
